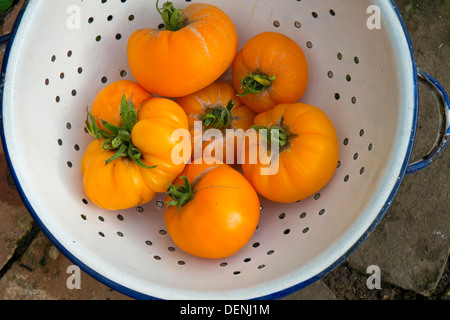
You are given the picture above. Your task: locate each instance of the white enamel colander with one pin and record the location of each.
(362, 74)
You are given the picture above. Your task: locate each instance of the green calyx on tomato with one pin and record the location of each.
(256, 83)
(275, 135)
(180, 194)
(218, 117)
(117, 138)
(172, 18)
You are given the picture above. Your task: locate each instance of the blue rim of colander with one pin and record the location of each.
(141, 296)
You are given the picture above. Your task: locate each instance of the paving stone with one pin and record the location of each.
(43, 273)
(411, 245)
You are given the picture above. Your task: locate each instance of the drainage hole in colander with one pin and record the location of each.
(57, 99)
(282, 215)
(61, 75)
(118, 36)
(85, 201)
(286, 231)
(361, 171)
(101, 234)
(148, 242)
(120, 217)
(98, 38)
(83, 216)
(162, 232)
(120, 234)
(346, 178)
(330, 74)
(131, 17)
(101, 218)
(171, 249)
(321, 212)
(123, 73)
(337, 96)
(356, 60)
(159, 204)
(348, 78)
(314, 14)
(309, 44)
(53, 58)
(297, 24)
(276, 23)
(302, 215)
(104, 79)
(305, 230)
(90, 20)
(69, 164)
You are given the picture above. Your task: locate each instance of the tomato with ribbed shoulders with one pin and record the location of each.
(304, 156)
(195, 47)
(216, 107)
(131, 158)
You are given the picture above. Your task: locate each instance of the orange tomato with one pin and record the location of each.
(307, 153)
(270, 69)
(131, 160)
(216, 107)
(194, 49)
(103, 108)
(211, 211)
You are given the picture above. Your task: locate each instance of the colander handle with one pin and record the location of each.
(442, 138)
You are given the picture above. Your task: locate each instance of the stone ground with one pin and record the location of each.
(410, 245)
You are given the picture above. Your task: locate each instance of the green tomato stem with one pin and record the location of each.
(256, 83)
(281, 139)
(118, 138)
(218, 117)
(172, 17)
(180, 194)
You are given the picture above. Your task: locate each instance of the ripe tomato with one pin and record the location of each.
(216, 107)
(307, 157)
(194, 49)
(270, 69)
(211, 211)
(107, 103)
(131, 160)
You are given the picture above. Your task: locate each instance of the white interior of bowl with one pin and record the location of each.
(54, 73)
